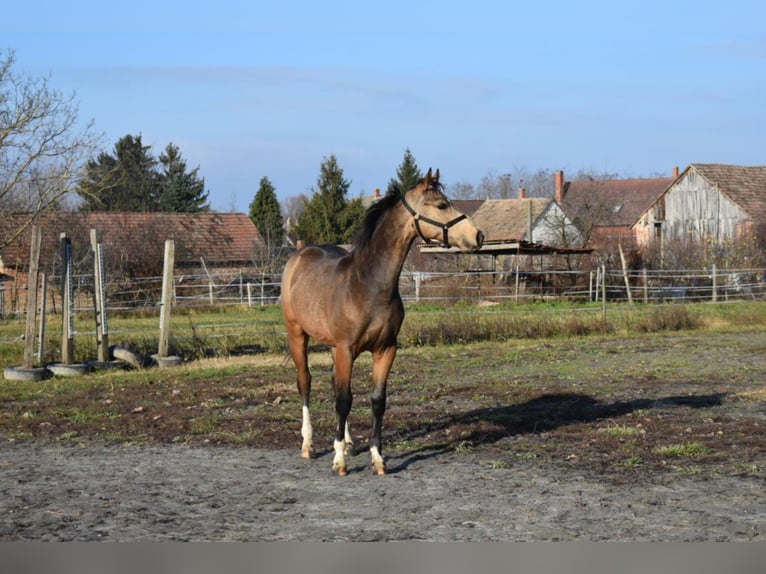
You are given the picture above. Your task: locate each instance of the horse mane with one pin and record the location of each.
(373, 216)
(375, 212)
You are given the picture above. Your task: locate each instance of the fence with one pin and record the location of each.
(258, 289)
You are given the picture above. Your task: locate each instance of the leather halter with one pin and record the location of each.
(444, 226)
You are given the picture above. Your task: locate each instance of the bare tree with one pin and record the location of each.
(41, 148)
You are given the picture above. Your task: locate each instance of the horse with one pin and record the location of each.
(350, 301)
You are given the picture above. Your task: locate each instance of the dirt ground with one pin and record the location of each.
(642, 439)
(165, 492)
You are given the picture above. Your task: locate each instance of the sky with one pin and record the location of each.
(255, 89)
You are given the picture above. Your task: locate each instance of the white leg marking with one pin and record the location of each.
(308, 435)
(378, 465)
(349, 449)
(339, 462)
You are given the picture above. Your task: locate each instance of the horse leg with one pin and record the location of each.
(299, 352)
(343, 398)
(381, 365)
(348, 450)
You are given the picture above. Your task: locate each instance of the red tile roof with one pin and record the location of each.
(612, 202)
(218, 238)
(743, 185)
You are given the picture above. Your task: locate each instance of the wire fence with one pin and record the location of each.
(259, 289)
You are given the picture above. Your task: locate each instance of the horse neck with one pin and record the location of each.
(382, 258)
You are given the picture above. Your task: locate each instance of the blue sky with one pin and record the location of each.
(252, 89)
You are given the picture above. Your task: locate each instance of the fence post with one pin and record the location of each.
(646, 285)
(715, 284)
(41, 340)
(99, 289)
(625, 273)
(603, 294)
(34, 275)
(417, 286)
(249, 294)
(167, 297)
(67, 302)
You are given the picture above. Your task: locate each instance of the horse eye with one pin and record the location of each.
(442, 206)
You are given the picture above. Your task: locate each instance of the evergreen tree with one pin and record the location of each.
(266, 215)
(407, 175)
(180, 191)
(329, 217)
(125, 181)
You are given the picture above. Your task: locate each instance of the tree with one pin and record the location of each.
(266, 215)
(407, 175)
(328, 216)
(180, 191)
(131, 179)
(128, 180)
(41, 148)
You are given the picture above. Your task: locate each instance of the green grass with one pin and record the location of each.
(230, 331)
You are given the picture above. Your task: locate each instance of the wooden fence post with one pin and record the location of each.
(167, 297)
(34, 275)
(625, 273)
(99, 288)
(646, 285)
(603, 294)
(67, 294)
(715, 284)
(41, 336)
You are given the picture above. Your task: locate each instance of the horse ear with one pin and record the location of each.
(436, 175)
(427, 178)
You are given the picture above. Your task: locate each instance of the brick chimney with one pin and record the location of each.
(522, 193)
(675, 171)
(558, 186)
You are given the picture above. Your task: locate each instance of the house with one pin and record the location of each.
(221, 240)
(713, 202)
(605, 210)
(534, 220)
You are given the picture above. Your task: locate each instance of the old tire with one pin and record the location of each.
(22, 374)
(63, 370)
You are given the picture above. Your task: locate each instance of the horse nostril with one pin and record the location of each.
(479, 239)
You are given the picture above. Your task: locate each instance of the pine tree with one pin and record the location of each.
(266, 215)
(180, 191)
(329, 217)
(124, 181)
(407, 175)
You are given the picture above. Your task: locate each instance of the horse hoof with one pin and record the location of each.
(341, 470)
(307, 453)
(379, 469)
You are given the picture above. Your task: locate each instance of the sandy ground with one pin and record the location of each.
(53, 492)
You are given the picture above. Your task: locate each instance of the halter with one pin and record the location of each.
(445, 226)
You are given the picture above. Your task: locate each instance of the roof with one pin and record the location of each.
(467, 206)
(743, 185)
(508, 219)
(612, 202)
(215, 237)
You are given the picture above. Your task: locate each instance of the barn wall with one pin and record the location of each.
(691, 207)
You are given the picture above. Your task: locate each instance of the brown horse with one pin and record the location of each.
(350, 300)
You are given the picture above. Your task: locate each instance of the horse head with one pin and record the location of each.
(435, 218)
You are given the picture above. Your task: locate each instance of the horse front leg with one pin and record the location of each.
(343, 362)
(381, 365)
(299, 353)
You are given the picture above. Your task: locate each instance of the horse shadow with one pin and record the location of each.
(544, 413)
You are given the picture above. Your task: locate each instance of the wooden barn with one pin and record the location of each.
(707, 202)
